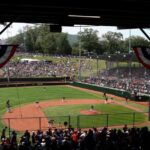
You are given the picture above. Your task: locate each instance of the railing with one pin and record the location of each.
(78, 121)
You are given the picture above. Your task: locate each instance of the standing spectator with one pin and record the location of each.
(13, 140)
(89, 141)
(3, 135)
(125, 128)
(74, 139)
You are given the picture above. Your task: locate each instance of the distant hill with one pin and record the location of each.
(72, 39)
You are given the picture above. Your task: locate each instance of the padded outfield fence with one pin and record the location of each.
(114, 91)
(79, 121)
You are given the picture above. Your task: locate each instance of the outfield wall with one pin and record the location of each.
(33, 81)
(117, 92)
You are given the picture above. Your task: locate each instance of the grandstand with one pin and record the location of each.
(38, 118)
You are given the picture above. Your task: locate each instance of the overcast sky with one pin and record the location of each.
(13, 30)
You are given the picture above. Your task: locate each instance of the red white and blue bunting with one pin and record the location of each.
(6, 52)
(143, 55)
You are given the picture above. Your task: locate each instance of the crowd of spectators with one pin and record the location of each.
(126, 78)
(73, 139)
(40, 69)
(60, 67)
(134, 79)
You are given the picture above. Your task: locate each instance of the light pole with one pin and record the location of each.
(79, 69)
(97, 65)
(129, 40)
(7, 70)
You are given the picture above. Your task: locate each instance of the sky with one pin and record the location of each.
(15, 27)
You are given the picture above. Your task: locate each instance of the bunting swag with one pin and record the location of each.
(6, 52)
(143, 55)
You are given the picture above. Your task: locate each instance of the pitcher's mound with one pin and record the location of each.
(89, 112)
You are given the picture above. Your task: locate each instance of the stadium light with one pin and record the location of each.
(84, 16)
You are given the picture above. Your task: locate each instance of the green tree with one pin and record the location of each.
(17, 39)
(63, 46)
(75, 49)
(135, 41)
(114, 41)
(31, 35)
(89, 40)
(48, 43)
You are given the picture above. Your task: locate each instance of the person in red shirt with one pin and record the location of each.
(74, 139)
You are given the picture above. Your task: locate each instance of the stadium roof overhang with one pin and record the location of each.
(121, 13)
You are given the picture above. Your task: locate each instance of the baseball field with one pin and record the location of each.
(75, 109)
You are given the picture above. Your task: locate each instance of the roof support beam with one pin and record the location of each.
(7, 26)
(145, 33)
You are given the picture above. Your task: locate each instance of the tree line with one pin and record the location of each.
(39, 39)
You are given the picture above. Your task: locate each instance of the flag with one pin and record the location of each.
(6, 52)
(143, 55)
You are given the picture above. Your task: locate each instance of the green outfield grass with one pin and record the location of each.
(116, 114)
(23, 95)
(31, 94)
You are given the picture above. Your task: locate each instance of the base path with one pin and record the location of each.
(31, 116)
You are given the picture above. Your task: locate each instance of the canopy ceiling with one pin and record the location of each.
(121, 13)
